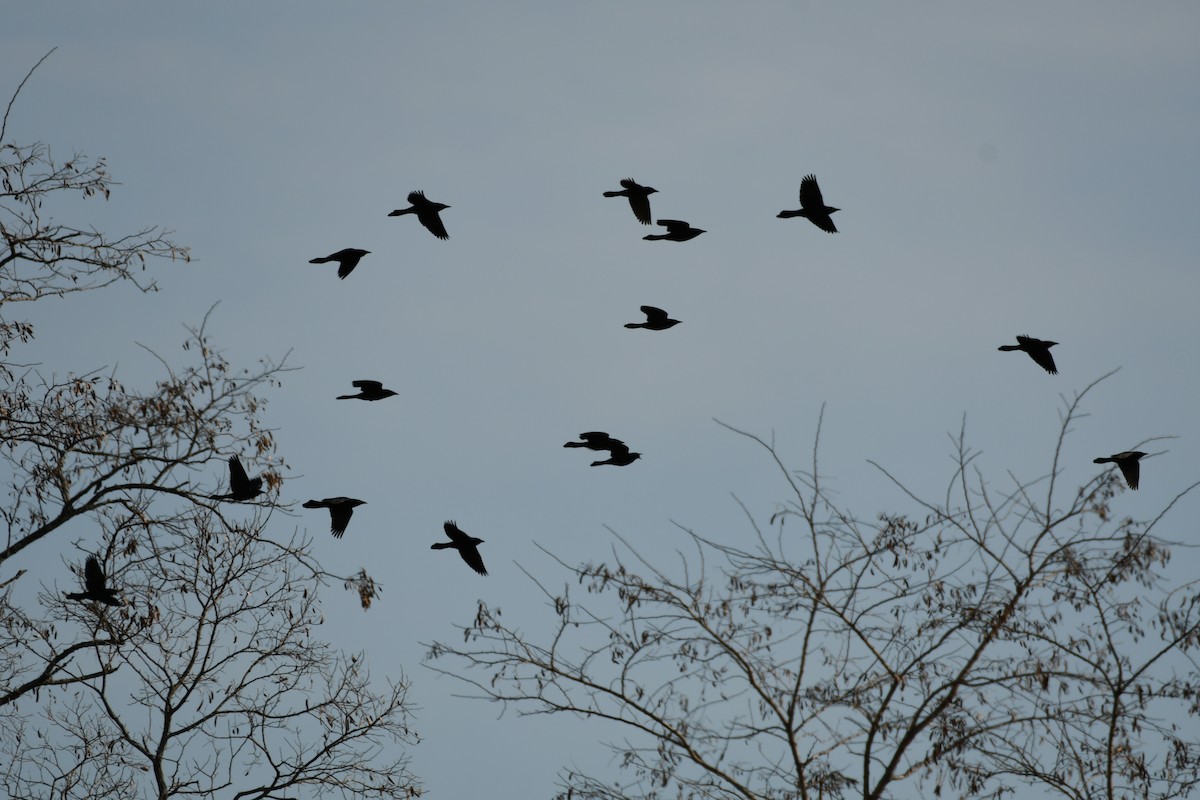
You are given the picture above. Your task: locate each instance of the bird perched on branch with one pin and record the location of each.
(241, 488)
(1127, 462)
(464, 544)
(427, 213)
(340, 511)
(1037, 349)
(677, 231)
(656, 320)
(812, 206)
(347, 260)
(94, 585)
(639, 198)
(368, 390)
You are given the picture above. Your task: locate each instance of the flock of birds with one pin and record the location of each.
(812, 207)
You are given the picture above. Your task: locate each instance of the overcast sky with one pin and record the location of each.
(1001, 169)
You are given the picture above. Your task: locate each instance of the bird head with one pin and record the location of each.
(831, 209)
(1137, 454)
(1050, 344)
(356, 503)
(651, 190)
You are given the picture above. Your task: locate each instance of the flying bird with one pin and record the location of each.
(368, 390)
(618, 456)
(427, 213)
(340, 511)
(639, 198)
(656, 320)
(677, 231)
(94, 585)
(812, 206)
(596, 440)
(1128, 464)
(241, 488)
(1038, 350)
(465, 545)
(347, 260)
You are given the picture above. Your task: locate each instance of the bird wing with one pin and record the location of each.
(1029, 341)
(630, 183)
(594, 436)
(339, 518)
(347, 265)
(810, 194)
(1043, 359)
(654, 314)
(433, 223)
(417, 197)
(93, 575)
(617, 449)
(824, 222)
(456, 535)
(674, 225)
(239, 481)
(368, 386)
(470, 554)
(1130, 469)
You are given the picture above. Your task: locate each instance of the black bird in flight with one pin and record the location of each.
(596, 440)
(656, 320)
(1127, 462)
(340, 511)
(368, 390)
(639, 198)
(677, 231)
(94, 587)
(465, 545)
(241, 488)
(618, 455)
(1038, 350)
(812, 206)
(427, 213)
(347, 260)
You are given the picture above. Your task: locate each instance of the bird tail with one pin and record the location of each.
(1102, 460)
(399, 211)
(319, 260)
(1007, 347)
(655, 237)
(75, 595)
(600, 463)
(635, 324)
(440, 545)
(347, 397)
(612, 194)
(574, 444)
(787, 214)
(313, 504)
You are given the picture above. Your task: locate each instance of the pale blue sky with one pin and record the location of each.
(1002, 169)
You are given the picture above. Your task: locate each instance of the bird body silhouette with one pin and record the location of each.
(347, 260)
(241, 488)
(618, 451)
(340, 511)
(639, 198)
(1127, 462)
(677, 231)
(427, 213)
(656, 320)
(619, 457)
(94, 585)
(812, 206)
(1037, 349)
(464, 544)
(368, 390)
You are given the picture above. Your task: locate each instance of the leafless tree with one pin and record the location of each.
(991, 641)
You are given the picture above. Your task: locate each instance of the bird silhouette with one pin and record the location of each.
(241, 488)
(94, 587)
(368, 390)
(464, 544)
(656, 320)
(340, 511)
(347, 260)
(1128, 464)
(1038, 350)
(427, 213)
(812, 206)
(639, 198)
(596, 440)
(618, 456)
(677, 231)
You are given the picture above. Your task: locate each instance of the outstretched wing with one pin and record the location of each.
(654, 314)
(470, 554)
(239, 481)
(1043, 359)
(433, 223)
(339, 518)
(93, 575)
(417, 197)
(1131, 471)
(368, 386)
(810, 194)
(455, 534)
(674, 225)
(630, 183)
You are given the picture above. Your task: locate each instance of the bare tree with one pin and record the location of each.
(208, 679)
(989, 641)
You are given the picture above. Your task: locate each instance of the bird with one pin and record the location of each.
(618, 456)
(656, 320)
(639, 198)
(1038, 350)
(812, 206)
(240, 486)
(1128, 464)
(94, 587)
(596, 440)
(427, 213)
(677, 231)
(464, 544)
(347, 260)
(340, 511)
(368, 390)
